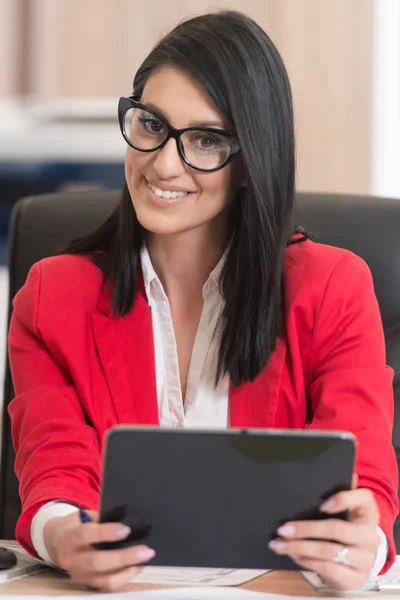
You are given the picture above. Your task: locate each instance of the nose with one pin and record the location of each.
(168, 162)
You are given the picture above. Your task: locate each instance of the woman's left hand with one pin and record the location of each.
(346, 562)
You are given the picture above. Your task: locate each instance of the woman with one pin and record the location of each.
(193, 306)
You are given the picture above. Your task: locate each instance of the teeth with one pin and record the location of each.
(166, 193)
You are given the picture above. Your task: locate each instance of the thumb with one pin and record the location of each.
(354, 481)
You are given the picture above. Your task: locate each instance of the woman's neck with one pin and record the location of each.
(184, 261)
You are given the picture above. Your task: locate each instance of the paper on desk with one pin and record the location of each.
(197, 593)
(158, 575)
(196, 576)
(390, 581)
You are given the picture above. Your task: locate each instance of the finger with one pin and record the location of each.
(78, 537)
(336, 576)
(359, 558)
(100, 561)
(343, 532)
(108, 582)
(91, 533)
(360, 503)
(354, 481)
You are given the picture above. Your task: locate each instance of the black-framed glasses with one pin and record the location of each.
(202, 148)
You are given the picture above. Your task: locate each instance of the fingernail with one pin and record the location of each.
(122, 531)
(286, 530)
(145, 555)
(277, 545)
(327, 505)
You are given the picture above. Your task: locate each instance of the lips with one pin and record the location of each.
(167, 194)
(167, 199)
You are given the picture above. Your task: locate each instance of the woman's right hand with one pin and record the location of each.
(69, 543)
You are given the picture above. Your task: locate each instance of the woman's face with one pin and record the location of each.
(184, 103)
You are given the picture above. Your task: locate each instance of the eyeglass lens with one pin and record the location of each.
(202, 149)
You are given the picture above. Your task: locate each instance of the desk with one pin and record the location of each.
(52, 583)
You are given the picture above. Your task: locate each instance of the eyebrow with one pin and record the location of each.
(207, 123)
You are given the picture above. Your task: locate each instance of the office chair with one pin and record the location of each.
(368, 226)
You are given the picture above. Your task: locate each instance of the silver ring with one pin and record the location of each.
(341, 556)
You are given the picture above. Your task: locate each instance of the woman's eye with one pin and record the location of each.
(207, 141)
(151, 125)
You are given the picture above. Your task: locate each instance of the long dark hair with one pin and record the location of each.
(243, 73)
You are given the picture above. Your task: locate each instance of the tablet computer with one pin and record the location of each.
(212, 498)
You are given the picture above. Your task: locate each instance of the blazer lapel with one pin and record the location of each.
(126, 350)
(254, 404)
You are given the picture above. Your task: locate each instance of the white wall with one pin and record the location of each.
(3, 322)
(386, 99)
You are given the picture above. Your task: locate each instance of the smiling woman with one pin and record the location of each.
(198, 304)
(160, 167)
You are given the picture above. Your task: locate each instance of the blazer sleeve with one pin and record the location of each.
(351, 386)
(57, 450)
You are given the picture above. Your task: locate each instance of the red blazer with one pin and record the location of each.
(78, 370)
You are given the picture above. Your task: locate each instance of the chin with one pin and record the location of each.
(160, 225)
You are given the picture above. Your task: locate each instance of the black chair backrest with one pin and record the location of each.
(368, 226)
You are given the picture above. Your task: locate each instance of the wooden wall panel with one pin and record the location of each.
(92, 48)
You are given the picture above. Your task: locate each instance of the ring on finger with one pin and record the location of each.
(342, 556)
